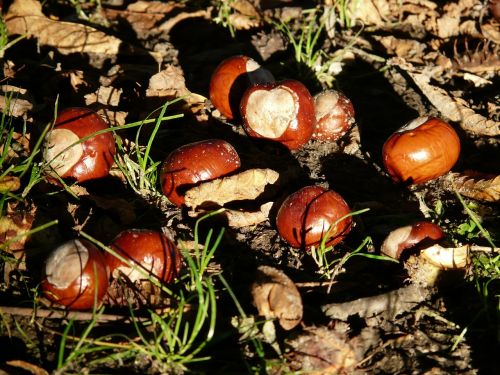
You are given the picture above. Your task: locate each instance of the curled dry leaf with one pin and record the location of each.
(447, 257)
(455, 109)
(239, 219)
(242, 186)
(480, 186)
(9, 183)
(25, 17)
(168, 83)
(13, 225)
(276, 296)
(319, 350)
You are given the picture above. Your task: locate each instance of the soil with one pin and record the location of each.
(450, 329)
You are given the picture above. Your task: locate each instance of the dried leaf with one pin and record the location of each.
(9, 183)
(480, 186)
(447, 257)
(409, 49)
(239, 219)
(25, 17)
(454, 109)
(242, 186)
(276, 296)
(28, 367)
(15, 223)
(106, 95)
(169, 83)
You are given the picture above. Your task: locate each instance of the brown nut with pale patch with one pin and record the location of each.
(194, 163)
(69, 156)
(422, 150)
(280, 111)
(150, 251)
(312, 213)
(334, 115)
(231, 79)
(419, 234)
(75, 275)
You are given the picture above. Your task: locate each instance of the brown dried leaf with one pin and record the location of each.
(409, 49)
(25, 17)
(447, 257)
(242, 186)
(276, 296)
(28, 367)
(16, 222)
(240, 219)
(454, 109)
(9, 183)
(106, 95)
(243, 22)
(169, 83)
(480, 186)
(319, 350)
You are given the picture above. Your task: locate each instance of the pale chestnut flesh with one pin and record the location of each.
(421, 151)
(281, 111)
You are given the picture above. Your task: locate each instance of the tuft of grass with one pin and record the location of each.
(224, 12)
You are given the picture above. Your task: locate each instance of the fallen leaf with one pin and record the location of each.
(240, 219)
(106, 95)
(26, 366)
(25, 17)
(17, 221)
(247, 185)
(9, 184)
(480, 186)
(276, 296)
(454, 109)
(169, 83)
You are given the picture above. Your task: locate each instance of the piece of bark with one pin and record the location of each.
(276, 296)
(247, 185)
(383, 306)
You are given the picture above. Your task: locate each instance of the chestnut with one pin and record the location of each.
(150, 250)
(196, 162)
(311, 213)
(75, 275)
(280, 111)
(230, 80)
(421, 150)
(88, 159)
(334, 115)
(421, 234)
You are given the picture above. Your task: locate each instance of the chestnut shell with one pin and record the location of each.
(98, 151)
(334, 115)
(420, 151)
(306, 215)
(230, 80)
(89, 286)
(196, 162)
(153, 251)
(300, 129)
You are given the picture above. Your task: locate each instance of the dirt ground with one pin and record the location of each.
(395, 61)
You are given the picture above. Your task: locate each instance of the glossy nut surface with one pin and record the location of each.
(149, 250)
(75, 275)
(421, 233)
(230, 80)
(281, 111)
(86, 160)
(310, 214)
(194, 163)
(420, 151)
(334, 115)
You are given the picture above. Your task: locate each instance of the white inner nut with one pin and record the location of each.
(66, 264)
(269, 113)
(325, 102)
(56, 152)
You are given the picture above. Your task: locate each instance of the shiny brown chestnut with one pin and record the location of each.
(421, 234)
(75, 275)
(280, 111)
(334, 115)
(230, 80)
(312, 213)
(87, 159)
(422, 150)
(150, 251)
(196, 162)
